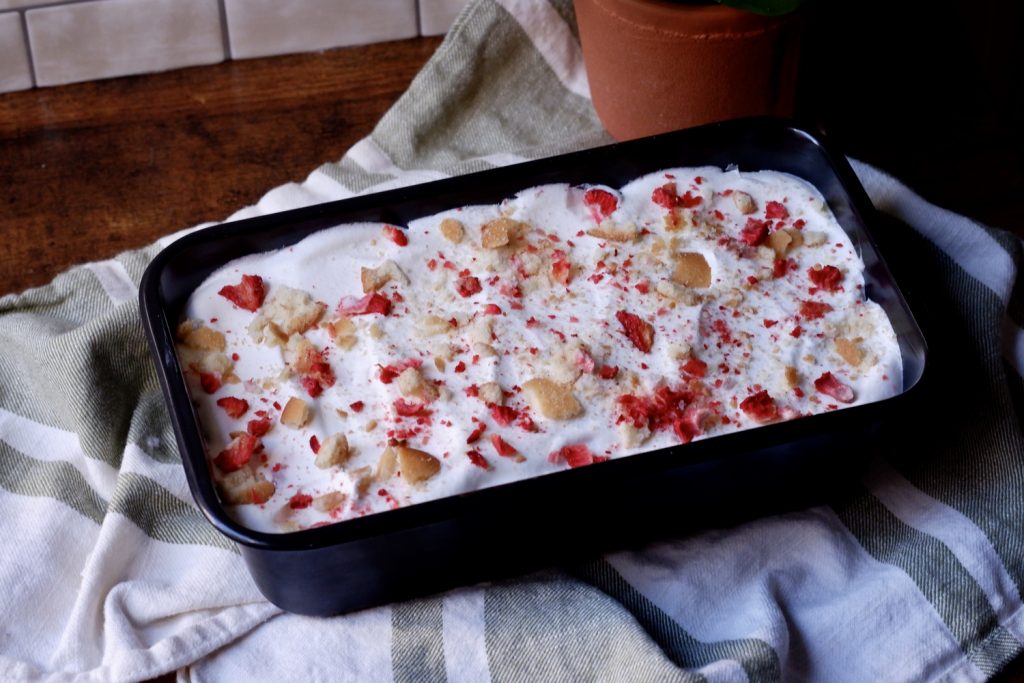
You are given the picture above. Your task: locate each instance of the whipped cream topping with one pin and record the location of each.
(368, 367)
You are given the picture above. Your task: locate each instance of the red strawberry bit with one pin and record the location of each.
(472, 391)
(503, 448)
(755, 232)
(247, 294)
(779, 268)
(356, 406)
(300, 501)
(796, 332)
(830, 386)
(696, 368)
(467, 286)
(812, 310)
(638, 331)
(770, 323)
(828, 278)
(404, 408)
(691, 424)
(799, 223)
(475, 434)
(388, 373)
(460, 366)
(258, 427)
(601, 203)
(761, 407)
(210, 382)
(775, 211)
(608, 372)
(478, 459)
(314, 444)
(492, 309)
(396, 235)
(585, 361)
(369, 304)
(234, 407)
(312, 387)
(574, 455)
(503, 415)
(561, 268)
(237, 454)
(667, 197)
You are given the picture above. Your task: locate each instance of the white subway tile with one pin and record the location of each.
(15, 71)
(436, 16)
(90, 40)
(258, 28)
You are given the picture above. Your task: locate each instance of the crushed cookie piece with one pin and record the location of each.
(452, 230)
(296, 413)
(692, 270)
(417, 466)
(552, 400)
(333, 451)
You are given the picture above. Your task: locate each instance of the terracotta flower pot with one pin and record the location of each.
(656, 66)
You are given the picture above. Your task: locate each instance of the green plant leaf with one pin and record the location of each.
(767, 7)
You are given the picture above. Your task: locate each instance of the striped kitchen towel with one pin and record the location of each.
(108, 572)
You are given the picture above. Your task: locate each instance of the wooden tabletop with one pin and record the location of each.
(89, 170)
(92, 169)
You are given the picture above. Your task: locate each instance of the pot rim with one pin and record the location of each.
(705, 21)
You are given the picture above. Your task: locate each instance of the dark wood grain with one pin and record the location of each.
(90, 170)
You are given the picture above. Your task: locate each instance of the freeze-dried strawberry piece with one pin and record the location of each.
(209, 381)
(388, 373)
(574, 455)
(467, 286)
(608, 372)
(640, 332)
(371, 303)
(775, 211)
(396, 235)
(356, 406)
(760, 406)
(300, 501)
(561, 267)
(755, 232)
(258, 427)
(314, 444)
(247, 294)
(828, 278)
(237, 454)
(812, 310)
(830, 386)
(234, 407)
(492, 309)
(666, 196)
(404, 408)
(475, 434)
(601, 203)
(503, 448)
(585, 361)
(691, 423)
(697, 368)
(311, 386)
(478, 459)
(503, 415)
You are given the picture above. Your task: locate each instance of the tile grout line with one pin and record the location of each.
(28, 49)
(225, 32)
(419, 17)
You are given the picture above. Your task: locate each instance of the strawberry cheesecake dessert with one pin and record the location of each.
(372, 366)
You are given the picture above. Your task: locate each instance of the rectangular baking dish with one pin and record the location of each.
(511, 528)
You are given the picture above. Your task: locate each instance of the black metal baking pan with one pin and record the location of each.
(497, 531)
